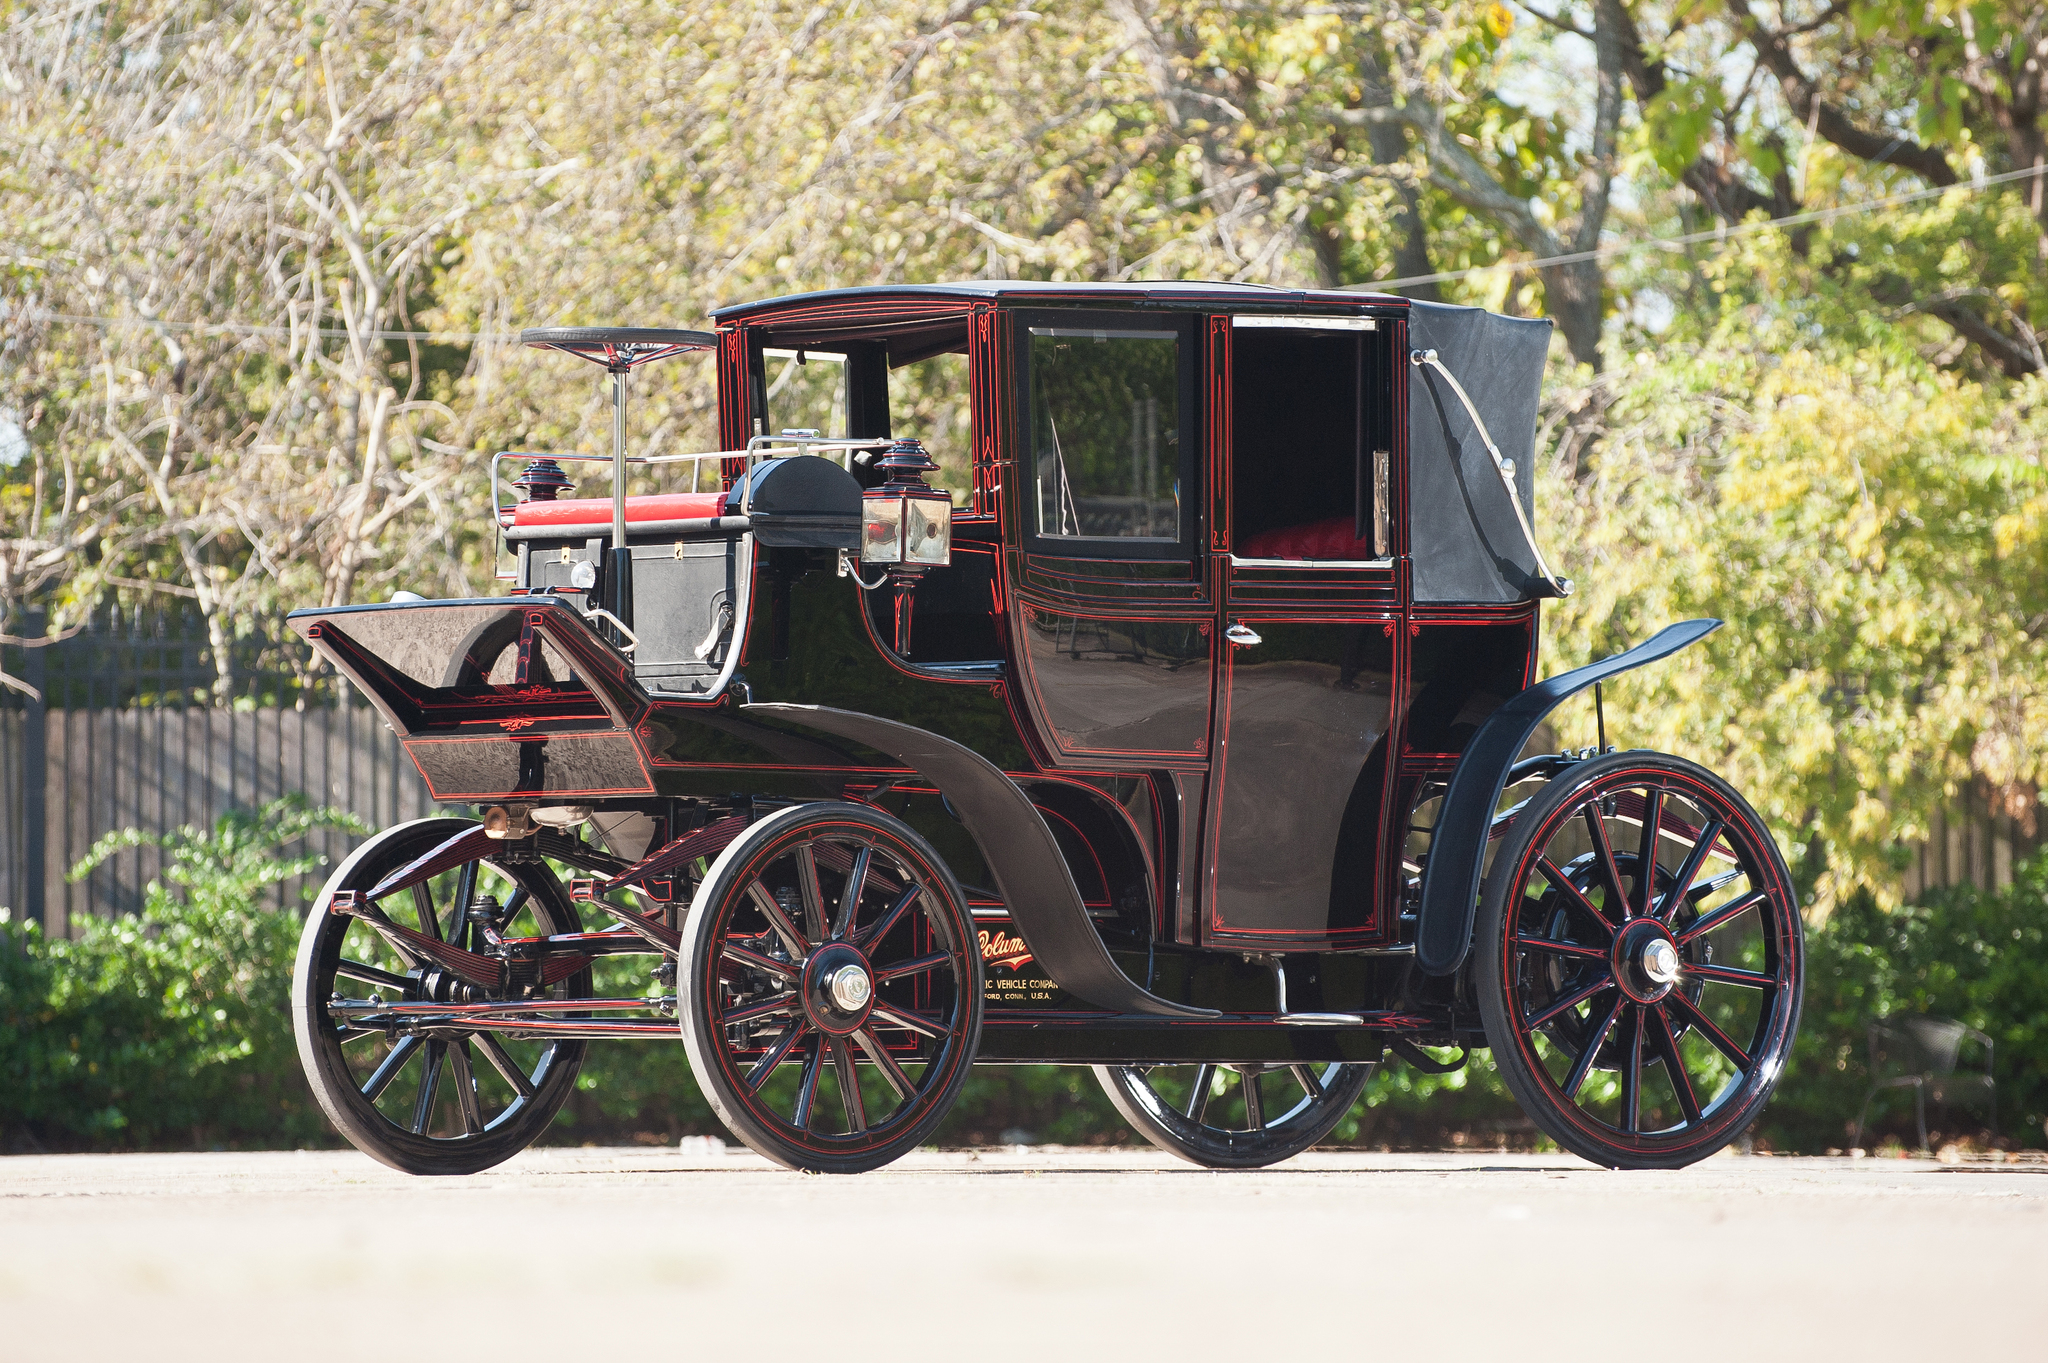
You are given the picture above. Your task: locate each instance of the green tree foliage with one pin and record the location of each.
(1866, 520)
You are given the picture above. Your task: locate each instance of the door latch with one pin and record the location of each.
(1244, 636)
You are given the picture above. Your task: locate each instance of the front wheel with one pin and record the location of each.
(833, 986)
(1639, 961)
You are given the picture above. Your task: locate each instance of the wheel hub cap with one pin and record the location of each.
(1660, 962)
(838, 988)
(850, 988)
(1647, 963)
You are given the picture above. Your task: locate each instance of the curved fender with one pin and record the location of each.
(1450, 881)
(1029, 871)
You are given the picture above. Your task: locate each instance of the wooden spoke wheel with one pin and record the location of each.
(833, 987)
(1233, 1116)
(1639, 961)
(430, 1099)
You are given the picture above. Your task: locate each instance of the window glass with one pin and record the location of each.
(1105, 407)
(806, 391)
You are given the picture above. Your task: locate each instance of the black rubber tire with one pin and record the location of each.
(327, 1067)
(1216, 1147)
(770, 848)
(1501, 967)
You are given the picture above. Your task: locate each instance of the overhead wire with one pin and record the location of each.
(260, 329)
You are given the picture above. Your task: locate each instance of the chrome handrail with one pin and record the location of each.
(753, 454)
(499, 508)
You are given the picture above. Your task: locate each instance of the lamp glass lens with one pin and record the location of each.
(881, 530)
(927, 530)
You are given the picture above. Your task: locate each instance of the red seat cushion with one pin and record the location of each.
(596, 512)
(1332, 538)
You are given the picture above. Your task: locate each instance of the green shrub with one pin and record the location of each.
(171, 1027)
(1978, 956)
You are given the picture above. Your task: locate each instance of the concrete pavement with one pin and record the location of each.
(1026, 1254)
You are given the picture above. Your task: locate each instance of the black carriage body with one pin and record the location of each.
(1223, 683)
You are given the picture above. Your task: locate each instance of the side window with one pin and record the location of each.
(930, 400)
(912, 386)
(1108, 410)
(807, 391)
(1310, 446)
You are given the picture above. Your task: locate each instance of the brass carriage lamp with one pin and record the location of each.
(906, 524)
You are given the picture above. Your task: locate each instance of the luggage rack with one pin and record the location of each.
(760, 447)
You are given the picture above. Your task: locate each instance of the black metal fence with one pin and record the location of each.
(137, 728)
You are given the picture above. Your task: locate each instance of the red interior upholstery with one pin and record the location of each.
(596, 512)
(1318, 539)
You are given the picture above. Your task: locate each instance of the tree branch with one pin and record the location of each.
(1557, 21)
(1829, 121)
(2017, 357)
(41, 641)
(1723, 192)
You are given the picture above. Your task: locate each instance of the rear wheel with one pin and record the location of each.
(1639, 961)
(833, 988)
(1233, 1116)
(439, 1099)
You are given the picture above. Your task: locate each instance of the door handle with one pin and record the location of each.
(1244, 636)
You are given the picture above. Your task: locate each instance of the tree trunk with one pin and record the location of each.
(1389, 143)
(1411, 238)
(1574, 297)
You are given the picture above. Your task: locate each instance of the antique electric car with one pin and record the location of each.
(1191, 736)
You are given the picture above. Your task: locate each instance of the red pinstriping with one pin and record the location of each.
(895, 661)
(1101, 875)
(1146, 849)
(1397, 458)
(1217, 377)
(984, 368)
(1162, 574)
(1215, 929)
(882, 310)
(1195, 602)
(734, 418)
(1155, 858)
(1516, 614)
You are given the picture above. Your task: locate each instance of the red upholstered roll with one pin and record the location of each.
(1320, 539)
(596, 512)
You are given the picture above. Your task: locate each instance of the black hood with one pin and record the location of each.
(1466, 544)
